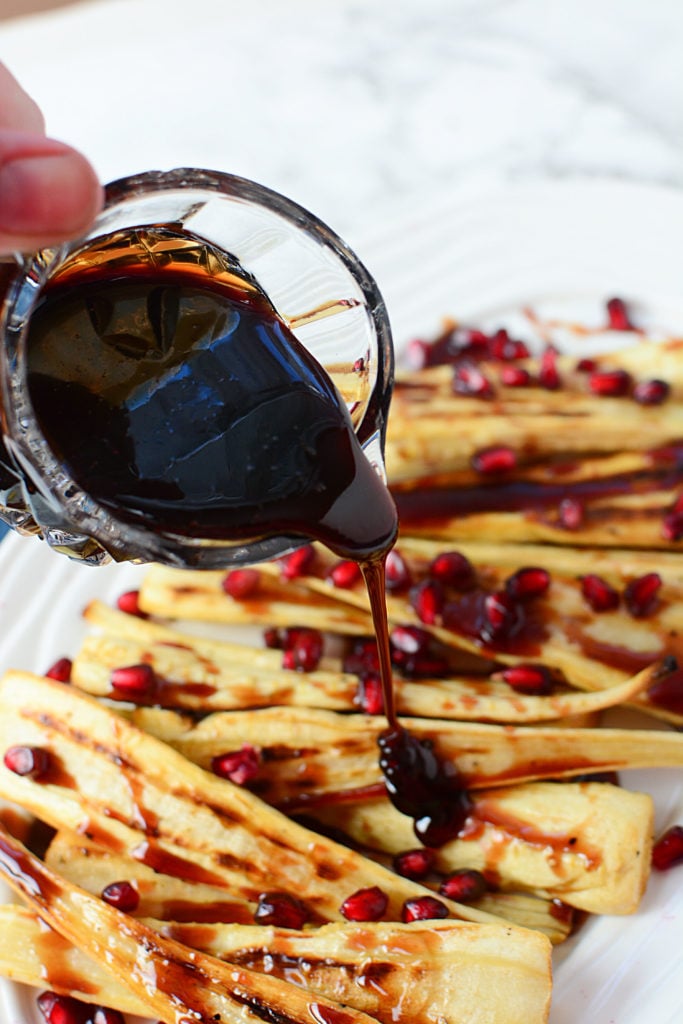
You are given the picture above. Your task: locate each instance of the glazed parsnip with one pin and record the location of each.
(305, 753)
(202, 675)
(418, 973)
(135, 794)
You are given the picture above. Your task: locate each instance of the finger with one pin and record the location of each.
(17, 110)
(48, 192)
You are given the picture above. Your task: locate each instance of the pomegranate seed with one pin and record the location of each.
(129, 602)
(498, 459)
(423, 908)
(598, 593)
(369, 695)
(414, 864)
(464, 885)
(453, 569)
(666, 690)
(409, 639)
(502, 615)
(570, 514)
(365, 905)
(418, 666)
(121, 895)
(239, 766)
(586, 365)
(548, 373)
(469, 380)
(272, 638)
(344, 574)
(533, 680)
(105, 1015)
(359, 365)
(505, 348)
(31, 762)
(651, 392)
(668, 850)
(641, 596)
(298, 563)
(61, 670)
(304, 651)
(527, 583)
(515, 377)
(362, 658)
(397, 574)
(427, 600)
(133, 682)
(672, 526)
(610, 383)
(241, 583)
(63, 1009)
(280, 909)
(416, 355)
(617, 316)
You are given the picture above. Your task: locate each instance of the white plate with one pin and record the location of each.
(562, 248)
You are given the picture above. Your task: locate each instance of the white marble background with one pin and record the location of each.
(362, 110)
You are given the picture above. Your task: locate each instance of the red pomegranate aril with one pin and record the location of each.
(672, 526)
(416, 354)
(586, 365)
(453, 569)
(666, 690)
(396, 572)
(241, 583)
(60, 670)
(29, 762)
(409, 639)
(548, 373)
(281, 910)
(515, 377)
(363, 657)
(469, 380)
(651, 392)
(610, 383)
(239, 766)
(370, 695)
(303, 652)
(464, 885)
(57, 1009)
(135, 682)
(506, 349)
(527, 583)
(570, 514)
(344, 574)
(532, 680)
(122, 895)
(618, 318)
(105, 1015)
(427, 600)
(423, 908)
(500, 610)
(272, 638)
(641, 596)
(494, 460)
(414, 864)
(668, 850)
(298, 563)
(598, 593)
(129, 602)
(365, 905)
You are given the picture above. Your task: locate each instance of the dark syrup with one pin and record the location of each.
(176, 397)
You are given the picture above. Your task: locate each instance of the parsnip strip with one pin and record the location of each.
(136, 795)
(172, 981)
(588, 844)
(206, 675)
(306, 753)
(421, 972)
(170, 899)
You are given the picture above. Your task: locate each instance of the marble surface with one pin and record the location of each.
(364, 111)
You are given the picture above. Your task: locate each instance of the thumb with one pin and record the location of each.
(48, 192)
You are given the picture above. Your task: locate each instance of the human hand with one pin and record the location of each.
(48, 191)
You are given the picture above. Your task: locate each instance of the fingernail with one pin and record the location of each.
(48, 194)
